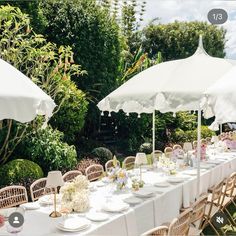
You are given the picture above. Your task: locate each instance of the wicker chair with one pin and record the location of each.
(198, 211)
(168, 152)
(109, 165)
(180, 226)
(38, 189)
(12, 196)
(177, 146)
(70, 175)
(212, 206)
(157, 154)
(129, 162)
(158, 231)
(94, 172)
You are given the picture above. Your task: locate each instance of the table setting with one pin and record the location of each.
(127, 202)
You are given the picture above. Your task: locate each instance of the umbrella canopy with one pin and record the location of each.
(20, 98)
(221, 99)
(170, 86)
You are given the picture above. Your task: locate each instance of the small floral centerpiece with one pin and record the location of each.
(118, 175)
(75, 195)
(167, 165)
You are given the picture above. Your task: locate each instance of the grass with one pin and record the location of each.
(229, 231)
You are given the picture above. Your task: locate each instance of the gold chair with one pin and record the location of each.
(180, 226)
(168, 152)
(158, 231)
(109, 165)
(94, 172)
(13, 196)
(177, 146)
(128, 162)
(70, 175)
(38, 189)
(212, 207)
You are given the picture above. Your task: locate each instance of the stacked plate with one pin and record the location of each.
(49, 199)
(133, 200)
(31, 205)
(115, 206)
(176, 180)
(162, 184)
(97, 216)
(73, 224)
(144, 193)
(206, 166)
(214, 162)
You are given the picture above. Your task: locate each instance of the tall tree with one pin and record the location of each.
(180, 39)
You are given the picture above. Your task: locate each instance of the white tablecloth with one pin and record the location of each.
(150, 213)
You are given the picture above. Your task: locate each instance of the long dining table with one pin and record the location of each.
(151, 212)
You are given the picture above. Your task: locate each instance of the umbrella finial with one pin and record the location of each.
(200, 48)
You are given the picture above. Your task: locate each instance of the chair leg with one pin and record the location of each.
(231, 219)
(212, 226)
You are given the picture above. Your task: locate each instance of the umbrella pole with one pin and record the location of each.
(198, 150)
(153, 135)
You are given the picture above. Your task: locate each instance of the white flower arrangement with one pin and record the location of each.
(75, 194)
(166, 164)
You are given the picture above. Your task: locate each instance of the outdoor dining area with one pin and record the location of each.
(176, 191)
(132, 198)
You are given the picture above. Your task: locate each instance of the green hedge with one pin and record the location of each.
(19, 171)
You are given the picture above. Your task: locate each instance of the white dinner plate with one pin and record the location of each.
(73, 224)
(175, 180)
(162, 184)
(49, 199)
(133, 200)
(115, 206)
(190, 172)
(31, 205)
(206, 166)
(144, 193)
(97, 216)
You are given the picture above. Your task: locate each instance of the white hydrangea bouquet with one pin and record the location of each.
(75, 194)
(167, 165)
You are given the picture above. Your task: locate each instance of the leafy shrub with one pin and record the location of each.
(146, 148)
(19, 171)
(46, 148)
(72, 110)
(102, 154)
(180, 136)
(86, 162)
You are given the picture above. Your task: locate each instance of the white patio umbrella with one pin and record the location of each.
(170, 87)
(20, 98)
(221, 100)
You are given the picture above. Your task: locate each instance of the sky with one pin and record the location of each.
(189, 10)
